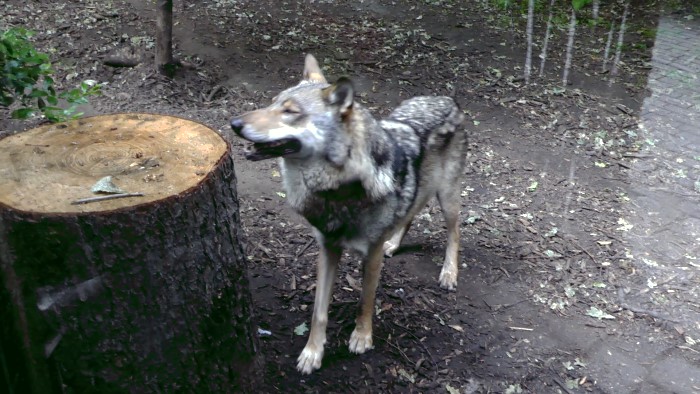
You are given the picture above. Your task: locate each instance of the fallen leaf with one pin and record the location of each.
(514, 389)
(354, 283)
(551, 232)
(598, 314)
(301, 329)
(624, 225)
(106, 185)
(551, 254)
(408, 376)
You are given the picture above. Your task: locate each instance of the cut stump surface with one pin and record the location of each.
(45, 169)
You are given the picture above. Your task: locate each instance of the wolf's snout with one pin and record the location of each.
(237, 125)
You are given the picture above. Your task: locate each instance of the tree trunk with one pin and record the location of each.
(569, 47)
(164, 37)
(545, 42)
(528, 56)
(620, 41)
(138, 294)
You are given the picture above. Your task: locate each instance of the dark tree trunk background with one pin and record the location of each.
(164, 37)
(144, 298)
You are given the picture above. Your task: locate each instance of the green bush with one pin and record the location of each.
(25, 77)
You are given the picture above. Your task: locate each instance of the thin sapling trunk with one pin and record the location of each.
(569, 47)
(545, 43)
(528, 56)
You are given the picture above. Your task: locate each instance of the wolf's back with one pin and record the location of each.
(428, 114)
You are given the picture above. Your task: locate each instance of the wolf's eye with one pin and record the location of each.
(291, 108)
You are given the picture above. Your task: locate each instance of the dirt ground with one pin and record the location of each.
(560, 289)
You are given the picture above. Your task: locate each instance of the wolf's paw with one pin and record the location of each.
(389, 248)
(448, 279)
(360, 342)
(309, 360)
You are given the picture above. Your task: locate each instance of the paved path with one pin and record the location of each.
(665, 219)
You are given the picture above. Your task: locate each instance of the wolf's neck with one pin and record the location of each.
(368, 161)
(369, 157)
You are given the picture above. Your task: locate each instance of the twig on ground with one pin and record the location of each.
(563, 386)
(584, 250)
(213, 92)
(632, 308)
(300, 252)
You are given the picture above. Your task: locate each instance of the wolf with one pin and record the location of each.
(359, 181)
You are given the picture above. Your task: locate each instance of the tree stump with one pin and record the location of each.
(139, 294)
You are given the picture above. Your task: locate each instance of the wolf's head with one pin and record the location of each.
(302, 122)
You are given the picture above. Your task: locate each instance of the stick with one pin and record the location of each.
(584, 250)
(103, 198)
(563, 386)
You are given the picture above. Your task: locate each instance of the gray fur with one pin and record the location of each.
(359, 181)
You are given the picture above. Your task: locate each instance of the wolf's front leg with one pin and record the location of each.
(361, 337)
(326, 268)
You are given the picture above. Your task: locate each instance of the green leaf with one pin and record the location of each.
(578, 4)
(533, 186)
(22, 113)
(6, 100)
(25, 76)
(598, 314)
(38, 93)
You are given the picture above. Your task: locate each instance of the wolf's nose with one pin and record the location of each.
(237, 124)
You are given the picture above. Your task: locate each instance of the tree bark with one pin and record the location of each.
(620, 41)
(569, 47)
(545, 42)
(164, 37)
(140, 294)
(528, 56)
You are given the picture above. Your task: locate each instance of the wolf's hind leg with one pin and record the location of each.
(449, 202)
(327, 265)
(394, 242)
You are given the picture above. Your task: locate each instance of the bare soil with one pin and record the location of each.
(550, 297)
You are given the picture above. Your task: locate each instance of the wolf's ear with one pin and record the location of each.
(342, 95)
(312, 72)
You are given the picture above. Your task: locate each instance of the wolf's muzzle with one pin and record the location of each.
(237, 125)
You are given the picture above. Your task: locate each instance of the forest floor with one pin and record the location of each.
(580, 253)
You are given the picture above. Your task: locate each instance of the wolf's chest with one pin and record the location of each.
(348, 217)
(338, 212)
